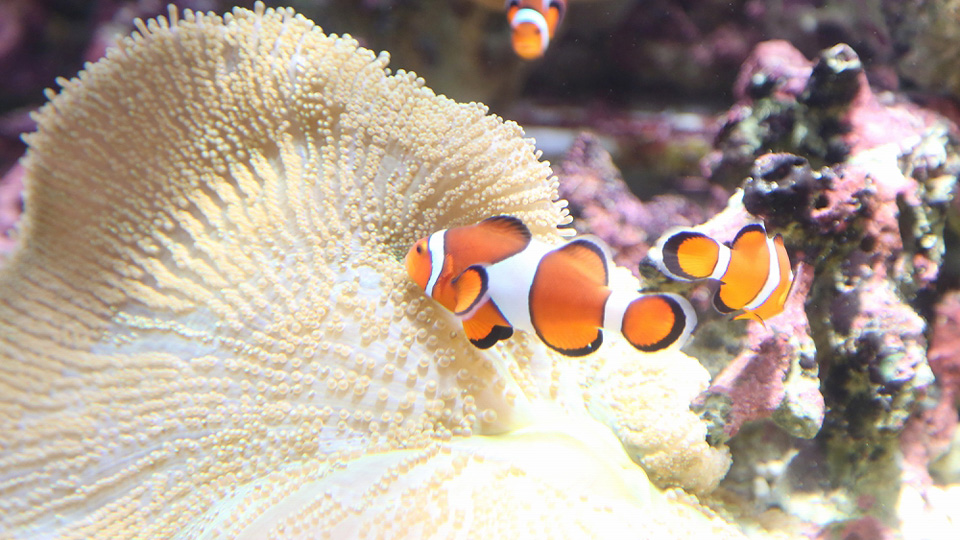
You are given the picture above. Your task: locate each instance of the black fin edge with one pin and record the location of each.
(515, 223)
(592, 246)
(751, 227)
(670, 249)
(483, 290)
(583, 351)
(497, 333)
(675, 333)
(719, 305)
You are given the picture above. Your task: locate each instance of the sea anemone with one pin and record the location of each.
(207, 331)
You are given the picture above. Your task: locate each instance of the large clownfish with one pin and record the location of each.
(533, 24)
(753, 270)
(495, 277)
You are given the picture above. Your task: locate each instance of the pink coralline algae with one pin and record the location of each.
(871, 224)
(929, 432)
(859, 184)
(775, 374)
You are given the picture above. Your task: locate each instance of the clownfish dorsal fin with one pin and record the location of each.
(488, 242)
(508, 226)
(486, 326)
(471, 289)
(590, 256)
(687, 255)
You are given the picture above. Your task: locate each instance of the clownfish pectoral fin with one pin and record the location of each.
(513, 6)
(487, 326)
(688, 255)
(655, 322)
(554, 15)
(470, 288)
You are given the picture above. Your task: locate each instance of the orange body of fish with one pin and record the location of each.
(495, 277)
(753, 270)
(533, 24)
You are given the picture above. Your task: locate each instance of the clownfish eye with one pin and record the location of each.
(419, 248)
(513, 3)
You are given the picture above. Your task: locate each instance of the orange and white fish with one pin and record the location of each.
(533, 24)
(754, 270)
(495, 277)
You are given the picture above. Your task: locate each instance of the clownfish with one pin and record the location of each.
(532, 25)
(753, 270)
(495, 277)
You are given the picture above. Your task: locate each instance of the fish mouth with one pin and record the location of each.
(528, 42)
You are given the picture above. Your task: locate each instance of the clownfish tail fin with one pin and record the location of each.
(654, 322)
(688, 255)
(471, 288)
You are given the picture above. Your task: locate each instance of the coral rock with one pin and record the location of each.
(775, 375)
(859, 184)
(603, 205)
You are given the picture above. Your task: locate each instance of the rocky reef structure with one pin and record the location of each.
(207, 330)
(860, 184)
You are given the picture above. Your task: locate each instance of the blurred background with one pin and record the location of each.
(649, 77)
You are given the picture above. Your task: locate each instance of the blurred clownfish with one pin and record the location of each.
(754, 270)
(495, 277)
(533, 23)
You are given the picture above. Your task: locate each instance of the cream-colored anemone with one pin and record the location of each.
(208, 333)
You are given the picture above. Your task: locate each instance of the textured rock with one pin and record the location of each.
(603, 205)
(774, 375)
(860, 188)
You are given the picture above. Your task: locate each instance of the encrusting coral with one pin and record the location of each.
(207, 331)
(835, 421)
(861, 191)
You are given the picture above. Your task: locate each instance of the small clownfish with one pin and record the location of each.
(753, 270)
(532, 24)
(495, 277)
